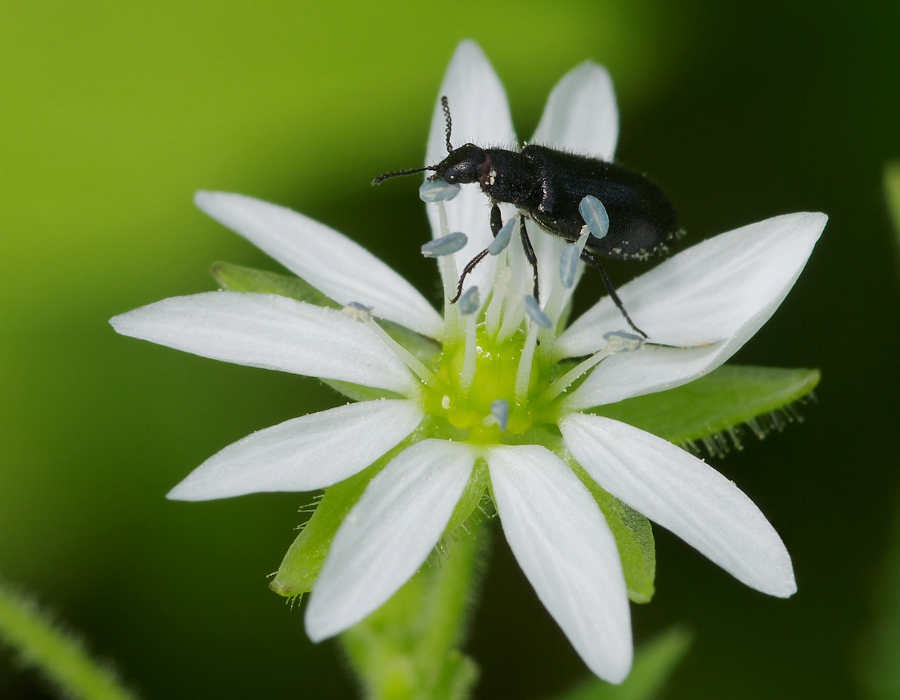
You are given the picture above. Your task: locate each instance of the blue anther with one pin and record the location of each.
(498, 245)
(535, 313)
(445, 245)
(468, 302)
(594, 214)
(500, 412)
(438, 191)
(623, 340)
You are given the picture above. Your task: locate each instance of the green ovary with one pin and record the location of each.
(496, 365)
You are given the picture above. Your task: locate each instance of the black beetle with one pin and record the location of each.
(547, 185)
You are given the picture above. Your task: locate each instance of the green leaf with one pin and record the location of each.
(892, 193)
(718, 403)
(634, 538)
(55, 652)
(408, 647)
(654, 663)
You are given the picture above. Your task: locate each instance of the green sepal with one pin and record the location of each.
(303, 560)
(471, 497)
(654, 662)
(237, 278)
(408, 648)
(634, 538)
(719, 402)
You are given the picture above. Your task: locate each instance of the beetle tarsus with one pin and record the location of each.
(592, 260)
(466, 270)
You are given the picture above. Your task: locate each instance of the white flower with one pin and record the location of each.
(698, 308)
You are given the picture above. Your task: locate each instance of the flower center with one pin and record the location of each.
(490, 409)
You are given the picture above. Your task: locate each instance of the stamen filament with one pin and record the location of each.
(468, 307)
(513, 316)
(554, 306)
(449, 275)
(502, 276)
(616, 341)
(523, 373)
(405, 356)
(563, 383)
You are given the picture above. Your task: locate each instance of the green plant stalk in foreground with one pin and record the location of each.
(56, 653)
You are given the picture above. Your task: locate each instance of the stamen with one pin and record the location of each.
(513, 315)
(468, 305)
(523, 373)
(449, 275)
(363, 314)
(358, 312)
(595, 216)
(568, 270)
(500, 413)
(623, 340)
(568, 263)
(445, 245)
(438, 191)
(617, 341)
(468, 302)
(502, 276)
(535, 313)
(504, 235)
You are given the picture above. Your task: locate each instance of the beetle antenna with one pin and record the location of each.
(381, 178)
(446, 107)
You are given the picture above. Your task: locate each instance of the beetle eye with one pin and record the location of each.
(451, 178)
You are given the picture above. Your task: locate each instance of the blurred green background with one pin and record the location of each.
(113, 114)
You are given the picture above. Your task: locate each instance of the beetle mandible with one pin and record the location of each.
(547, 185)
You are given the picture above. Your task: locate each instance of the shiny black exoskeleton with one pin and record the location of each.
(547, 185)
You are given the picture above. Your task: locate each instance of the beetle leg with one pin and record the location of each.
(532, 258)
(594, 262)
(496, 220)
(466, 270)
(496, 225)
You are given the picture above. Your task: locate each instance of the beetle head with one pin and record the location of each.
(464, 165)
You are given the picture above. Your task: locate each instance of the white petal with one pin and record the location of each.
(568, 553)
(265, 330)
(480, 115)
(329, 261)
(303, 454)
(581, 113)
(645, 371)
(684, 495)
(580, 116)
(388, 534)
(724, 288)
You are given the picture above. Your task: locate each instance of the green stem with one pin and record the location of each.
(409, 648)
(55, 652)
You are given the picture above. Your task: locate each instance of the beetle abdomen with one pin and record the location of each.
(641, 218)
